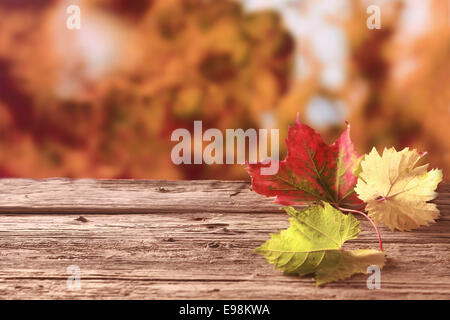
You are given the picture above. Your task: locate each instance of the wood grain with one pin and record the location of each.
(129, 196)
(184, 240)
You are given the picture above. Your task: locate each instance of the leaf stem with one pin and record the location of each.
(371, 221)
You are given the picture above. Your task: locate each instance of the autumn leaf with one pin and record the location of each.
(312, 170)
(396, 191)
(313, 245)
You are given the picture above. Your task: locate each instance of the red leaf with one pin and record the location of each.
(312, 170)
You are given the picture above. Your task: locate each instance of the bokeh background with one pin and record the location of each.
(102, 101)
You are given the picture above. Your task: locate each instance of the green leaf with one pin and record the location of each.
(313, 242)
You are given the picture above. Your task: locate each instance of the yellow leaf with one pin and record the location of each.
(396, 191)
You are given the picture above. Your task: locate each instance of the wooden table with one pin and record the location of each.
(140, 239)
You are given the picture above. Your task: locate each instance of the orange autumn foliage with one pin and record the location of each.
(103, 102)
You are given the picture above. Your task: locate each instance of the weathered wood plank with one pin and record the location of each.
(129, 196)
(186, 253)
(137, 196)
(197, 255)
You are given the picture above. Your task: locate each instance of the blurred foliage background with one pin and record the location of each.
(102, 101)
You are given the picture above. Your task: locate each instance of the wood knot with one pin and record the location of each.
(82, 219)
(213, 245)
(162, 190)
